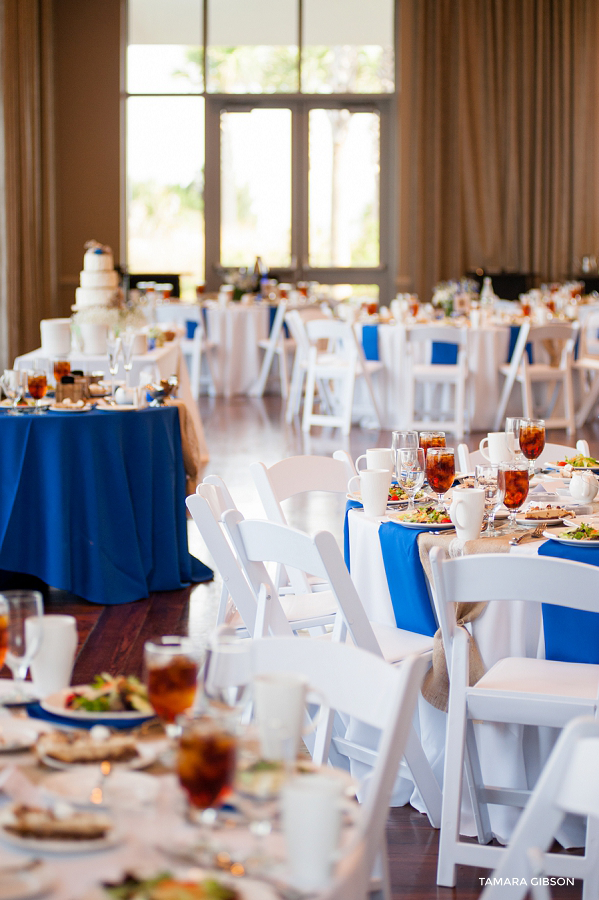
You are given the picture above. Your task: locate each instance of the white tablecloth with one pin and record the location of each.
(488, 349)
(511, 755)
(159, 363)
(236, 330)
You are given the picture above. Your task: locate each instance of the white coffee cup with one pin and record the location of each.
(373, 485)
(279, 704)
(377, 458)
(497, 446)
(52, 665)
(311, 813)
(467, 511)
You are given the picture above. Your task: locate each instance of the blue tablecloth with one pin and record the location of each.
(571, 635)
(442, 354)
(94, 503)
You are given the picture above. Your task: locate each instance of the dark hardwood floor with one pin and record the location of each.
(241, 431)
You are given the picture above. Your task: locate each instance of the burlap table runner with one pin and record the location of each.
(435, 688)
(189, 445)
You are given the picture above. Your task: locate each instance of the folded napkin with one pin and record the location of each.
(189, 444)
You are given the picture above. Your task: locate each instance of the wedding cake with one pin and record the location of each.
(99, 281)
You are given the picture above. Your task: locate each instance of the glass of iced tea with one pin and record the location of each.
(431, 439)
(206, 761)
(532, 440)
(440, 470)
(513, 482)
(171, 666)
(37, 385)
(61, 367)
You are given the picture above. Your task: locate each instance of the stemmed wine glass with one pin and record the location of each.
(440, 471)
(23, 637)
(227, 671)
(171, 675)
(14, 384)
(487, 478)
(532, 440)
(410, 472)
(513, 481)
(113, 346)
(512, 435)
(127, 341)
(403, 440)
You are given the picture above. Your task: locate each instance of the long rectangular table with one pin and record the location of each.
(94, 502)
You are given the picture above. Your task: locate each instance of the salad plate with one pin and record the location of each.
(579, 463)
(425, 518)
(578, 534)
(396, 496)
(105, 700)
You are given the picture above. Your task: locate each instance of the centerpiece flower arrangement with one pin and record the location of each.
(119, 315)
(445, 293)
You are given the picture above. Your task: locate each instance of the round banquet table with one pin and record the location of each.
(94, 503)
(236, 330)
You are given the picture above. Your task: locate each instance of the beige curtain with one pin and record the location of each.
(498, 137)
(26, 150)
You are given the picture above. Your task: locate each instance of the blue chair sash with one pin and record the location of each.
(514, 332)
(370, 341)
(571, 635)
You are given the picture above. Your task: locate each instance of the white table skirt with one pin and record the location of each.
(159, 363)
(487, 351)
(236, 330)
(511, 755)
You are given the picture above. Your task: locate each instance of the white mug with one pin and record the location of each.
(498, 448)
(373, 485)
(377, 458)
(467, 511)
(280, 704)
(52, 665)
(311, 808)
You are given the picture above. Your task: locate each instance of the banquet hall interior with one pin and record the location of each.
(299, 398)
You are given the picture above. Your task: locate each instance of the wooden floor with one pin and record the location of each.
(241, 431)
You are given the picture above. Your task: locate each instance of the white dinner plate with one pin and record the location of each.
(54, 846)
(25, 885)
(554, 466)
(71, 409)
(247, 888)
(16, 736)
(129, 789)
(557, 520)
(55, 703)
(119, 407)
(357, 497)
(147, 754)
(572, 542)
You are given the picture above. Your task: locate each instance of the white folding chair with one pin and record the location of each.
(287, 614)
(276, 344)
(358, 684)
(295, 321)
(519, 690)
(298, 475)
(569, 783)
(587, 365)
(257, 542)
(430, 375)
(334, 372)
(520, 371)
(468, 459)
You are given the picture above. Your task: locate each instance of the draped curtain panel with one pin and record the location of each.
(27, 220)
(499, 137)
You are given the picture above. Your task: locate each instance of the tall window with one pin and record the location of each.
(268, 120)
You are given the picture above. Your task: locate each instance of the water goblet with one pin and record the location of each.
(127, 342)
(14, 385)
(532, 440)
(171, 670)
(401, 440)
(21, 645)
(37, 384)
(411, 465)
(513, 482)
(512, 435)
(487, 478)
(440, 471)
(113, 346)
(227, 671)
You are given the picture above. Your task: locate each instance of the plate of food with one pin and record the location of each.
(581, 534)
(548, 515)
(579, 462)
(106, 699)
(71, 406)
(426, 517)
(69, 750)
(397, 496)
(56, 829)
(191, 885)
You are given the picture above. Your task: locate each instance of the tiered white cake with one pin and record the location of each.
(99, 281)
